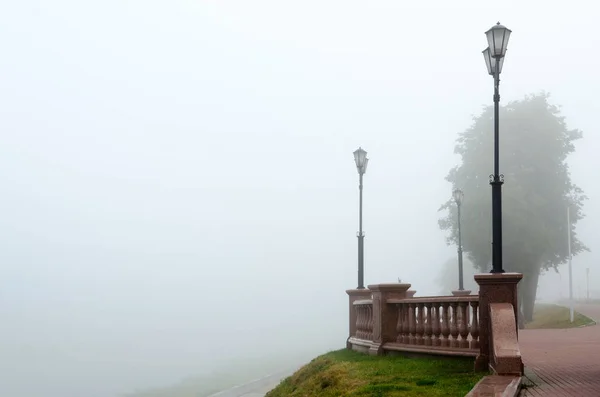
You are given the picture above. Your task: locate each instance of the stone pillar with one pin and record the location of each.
(385, 317)
(493, 288)
(354, 295)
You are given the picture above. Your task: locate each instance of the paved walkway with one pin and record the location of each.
(564, 362)
(257, 388)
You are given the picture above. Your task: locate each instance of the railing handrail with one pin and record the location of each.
(363, 302)
(436, 299)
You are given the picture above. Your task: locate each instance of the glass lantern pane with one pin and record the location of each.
(507, 33)
(364, 170)
(488, 60)
(497, 38)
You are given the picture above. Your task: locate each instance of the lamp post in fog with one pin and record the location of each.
(361, 160)
(497, 38)
(458, 198)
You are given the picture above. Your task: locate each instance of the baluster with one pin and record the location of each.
(399, 324)
(428, 322)
(463, 326)
(454, 325)
(365, 322)
(475, 326)
(435, 325)
(366, 329)
(365, 325)
(419, 340)
(370, 322)
(357, 310)
(406, 323)
(445, 325)
(359, 322)
(468, 311)
(412, 324)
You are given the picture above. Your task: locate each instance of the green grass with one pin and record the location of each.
(348, 373)
(546, 316)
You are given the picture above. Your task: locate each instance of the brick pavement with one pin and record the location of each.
(564, 362)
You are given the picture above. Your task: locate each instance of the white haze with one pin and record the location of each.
(178, 188)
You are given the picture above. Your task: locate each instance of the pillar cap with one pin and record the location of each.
(498, 278)
(359, 292)
(464, 292)
(391, 287)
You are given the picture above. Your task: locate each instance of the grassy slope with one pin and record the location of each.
(348, 373)
(554, 316)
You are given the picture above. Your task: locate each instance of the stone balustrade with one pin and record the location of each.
(442, 324)
(387, 318)
(447, 325)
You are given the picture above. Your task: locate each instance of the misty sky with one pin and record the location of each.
(178, 187)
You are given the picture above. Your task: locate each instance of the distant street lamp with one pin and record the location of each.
(458, 198)
(360, 157)
(497, 38)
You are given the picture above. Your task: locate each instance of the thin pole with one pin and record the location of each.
(570, 266)
(587, 281)
(360, 236)
(496, 180)
(460, 253)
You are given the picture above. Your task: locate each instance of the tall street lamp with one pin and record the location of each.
(497, 38)
(360, 157)
(458, 198)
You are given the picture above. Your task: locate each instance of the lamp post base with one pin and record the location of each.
(464, 292)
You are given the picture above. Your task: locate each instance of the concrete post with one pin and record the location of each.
(385, 317)
(493, 288)
(354, 295)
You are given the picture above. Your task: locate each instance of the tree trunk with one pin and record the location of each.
(518, 260)
(528, 292)
(521, 319)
